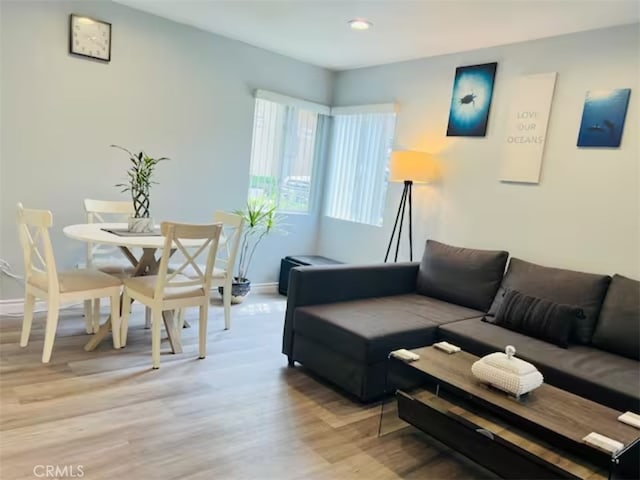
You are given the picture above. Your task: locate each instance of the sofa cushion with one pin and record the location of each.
(618, 328)
(367, 330)
(537, 317)
(586, 371)
(584, 290)
(462, 276)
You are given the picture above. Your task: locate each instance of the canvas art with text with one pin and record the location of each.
(471, 100)
(603, 118)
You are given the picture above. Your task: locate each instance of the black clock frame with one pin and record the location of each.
(71, 38)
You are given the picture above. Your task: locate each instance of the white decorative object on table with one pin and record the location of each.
(601, 442)
(507, 373)
(630, 418)
(405, 355)
(447, 347)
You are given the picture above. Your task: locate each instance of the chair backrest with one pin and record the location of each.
(97, 208)
(33, 229)
(174, 233)
(232, 226)
(102, 211)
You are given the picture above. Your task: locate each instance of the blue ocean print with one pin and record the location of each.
(603, 118)
(470, 101)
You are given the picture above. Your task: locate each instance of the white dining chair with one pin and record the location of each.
(170, 290)
(106, 258)
(42, 280)
(232, 226)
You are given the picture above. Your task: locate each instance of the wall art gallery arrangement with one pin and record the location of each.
(471, 100)
(603, 118)
(602, 124)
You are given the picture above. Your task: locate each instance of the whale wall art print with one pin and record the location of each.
(471, 100)
(603, 118)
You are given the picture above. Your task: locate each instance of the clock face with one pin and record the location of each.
(90, 37)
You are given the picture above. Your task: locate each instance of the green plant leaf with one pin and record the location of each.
(261, 219)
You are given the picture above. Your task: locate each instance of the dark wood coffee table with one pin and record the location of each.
(538, 437)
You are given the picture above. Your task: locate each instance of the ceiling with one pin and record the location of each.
(316, 31)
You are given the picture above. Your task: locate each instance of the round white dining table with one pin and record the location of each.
(95, 233)
(146, 264)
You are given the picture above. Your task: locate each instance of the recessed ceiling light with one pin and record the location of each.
(360, 24)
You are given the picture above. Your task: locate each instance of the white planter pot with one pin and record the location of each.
(141, 225)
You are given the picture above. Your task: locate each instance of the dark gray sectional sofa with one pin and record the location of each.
(342, 321)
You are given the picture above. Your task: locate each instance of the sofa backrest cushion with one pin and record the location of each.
(584, 290)
(462, 276)
(538, 317)
(618, 328)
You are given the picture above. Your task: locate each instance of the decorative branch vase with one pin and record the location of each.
(141, 222)
(141, 225)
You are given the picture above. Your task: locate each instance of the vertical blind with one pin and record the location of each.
(283, 154)
(361, 142)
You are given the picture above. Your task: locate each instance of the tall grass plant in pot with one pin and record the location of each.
(260, 220)
(139, 183)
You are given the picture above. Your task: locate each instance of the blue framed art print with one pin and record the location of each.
(603, 118)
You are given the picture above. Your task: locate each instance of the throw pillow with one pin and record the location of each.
(537, 317)
(463, 276)
(618, 329)
(584, 290)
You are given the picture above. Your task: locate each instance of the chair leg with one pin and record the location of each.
(116, 330)
(202, 330)
(50, 330)
(88, 316)
(179, 315)
(95, 320)
(156, 322)
(124, 319)
(226, 300)
(29, 305)
(147, 318)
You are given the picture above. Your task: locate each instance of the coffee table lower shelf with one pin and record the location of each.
(508, 456)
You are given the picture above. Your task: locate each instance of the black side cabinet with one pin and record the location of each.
(287, 263)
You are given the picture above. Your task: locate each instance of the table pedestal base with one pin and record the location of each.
(147, 264)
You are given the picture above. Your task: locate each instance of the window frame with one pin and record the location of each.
(320, 132)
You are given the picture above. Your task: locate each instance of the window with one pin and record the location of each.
(361, 143)
(287, 139)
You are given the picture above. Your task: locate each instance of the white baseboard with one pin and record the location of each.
(15, 306)
(271, 287)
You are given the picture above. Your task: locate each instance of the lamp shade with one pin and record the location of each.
(418, 167)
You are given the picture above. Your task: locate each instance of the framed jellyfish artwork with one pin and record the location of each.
(471, 100)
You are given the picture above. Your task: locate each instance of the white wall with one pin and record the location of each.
(170, 89)
(584, 214)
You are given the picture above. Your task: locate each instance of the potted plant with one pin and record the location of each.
(139, 185)
(260, 219)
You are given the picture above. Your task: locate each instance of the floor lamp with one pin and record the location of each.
(408, 167)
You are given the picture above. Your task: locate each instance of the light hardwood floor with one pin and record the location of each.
(238, 414)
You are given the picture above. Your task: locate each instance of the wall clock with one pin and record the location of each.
(89, 37)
